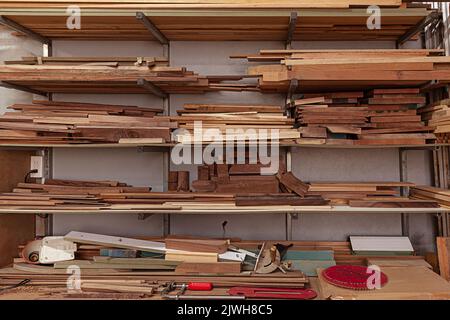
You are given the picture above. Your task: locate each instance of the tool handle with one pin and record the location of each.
(200, 286)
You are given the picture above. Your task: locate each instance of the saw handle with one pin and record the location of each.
(200, 286)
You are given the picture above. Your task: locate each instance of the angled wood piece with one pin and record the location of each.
(292, 183)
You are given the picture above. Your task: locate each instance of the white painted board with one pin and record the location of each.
(380, 243)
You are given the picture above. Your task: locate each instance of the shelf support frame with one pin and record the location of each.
(431, 18)
(24, 30)
(150, 87)
(404, 191)
(8, 85)
(151, 27)
(291, 29)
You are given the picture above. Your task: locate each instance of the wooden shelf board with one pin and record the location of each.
(171, 145)
(237, 210)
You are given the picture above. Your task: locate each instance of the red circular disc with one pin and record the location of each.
(351, 277)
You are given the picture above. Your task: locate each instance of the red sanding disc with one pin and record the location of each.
(351, 277)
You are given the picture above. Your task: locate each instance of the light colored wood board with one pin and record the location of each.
(380, 243)
(398, 263)
(404, 283)
(443, 250)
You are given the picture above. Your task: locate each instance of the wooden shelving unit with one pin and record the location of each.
(400, 25)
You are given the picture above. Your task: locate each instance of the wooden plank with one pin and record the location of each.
(292, 183)
(443, 251)
(211, 268)
(405, 283)
(205, 245)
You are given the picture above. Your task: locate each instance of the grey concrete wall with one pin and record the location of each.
(140, 169)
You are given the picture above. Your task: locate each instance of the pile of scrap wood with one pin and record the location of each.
(440, 195)
(221, 123)
(106, 75)
(319, 70)
(114, 265)
(141, 267)
(251, 188)
(437, 115)
(226, 187)
(379, 117)
(58, 122)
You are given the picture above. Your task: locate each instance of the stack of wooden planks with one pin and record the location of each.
(102, 75)
(437, 115)
(347, 70)
(440, 195)
(234, 123)
(64, 194)
(151, 62)
(251, 188)
(58, 122)
(330, 118)
(394, 119)
(377, 117)
(221, 186)
(368, 194)
(219, 20)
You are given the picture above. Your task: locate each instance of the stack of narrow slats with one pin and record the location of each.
(101, 75)
(151, 62)
(440, 195)
(57, 122)
(368, 194)
(234, 123)
(219, 187)
(64, 194)
(380, 117)
(321, 70)
(437, 115)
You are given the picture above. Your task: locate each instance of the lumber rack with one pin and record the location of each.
(142, 17)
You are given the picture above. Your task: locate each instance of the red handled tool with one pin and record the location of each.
(197, 286)
(274, 293)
